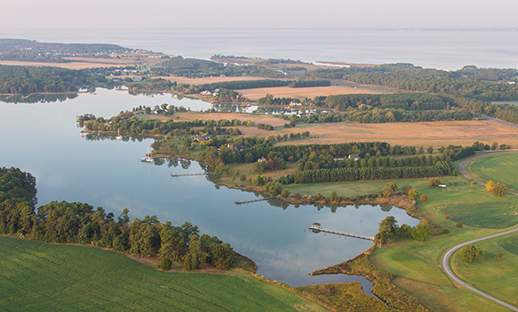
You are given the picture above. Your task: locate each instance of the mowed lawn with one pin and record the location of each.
(47, 277)
(497, 277)
(418, 264)
(500, 168)
(494, 215)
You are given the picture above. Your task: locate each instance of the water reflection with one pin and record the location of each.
(98, 171)
(37, 98)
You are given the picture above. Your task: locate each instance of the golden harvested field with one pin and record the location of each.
(439, 133)
(264, 119)
(255, 94)
(198, 81)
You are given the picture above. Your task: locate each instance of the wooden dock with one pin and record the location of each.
(176, 175)
(317, 227)
(252, 200)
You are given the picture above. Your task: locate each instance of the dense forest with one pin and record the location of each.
(27, 79)
(482, 84)
(63, 222)
(34, 51)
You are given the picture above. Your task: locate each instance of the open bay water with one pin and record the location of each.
(429, 48)
(43, 139)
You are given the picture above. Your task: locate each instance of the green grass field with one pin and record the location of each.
(497, 277)
(493, 215)
(418, 264)
(49, 277)
(510, 244)
(499, 168)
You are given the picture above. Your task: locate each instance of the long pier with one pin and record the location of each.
(175, 175)
(317, 227)
(252, 200)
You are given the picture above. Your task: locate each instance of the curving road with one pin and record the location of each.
(446, 258)
(446, 266)
(468, 176)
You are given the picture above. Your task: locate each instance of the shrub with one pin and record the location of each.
(392, 185)
(499, 256)
(166, 264)
(386, 191)
(470, 253)
(490, 185)
(458, 225)
(424, 198)
(447, 217)
(421, 232)
(434, 182)
(412, 194)
(499, 189)
(406, 188)
(285, 193)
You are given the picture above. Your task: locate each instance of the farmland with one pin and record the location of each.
(255, 94)
(48, 277)
(499, 168)
(438, 133)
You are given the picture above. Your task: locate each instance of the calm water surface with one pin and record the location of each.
(43, 139)
(443, 49)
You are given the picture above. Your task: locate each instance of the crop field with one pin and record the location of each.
(499, 168)
(438, 133)
(49, 277)
(493, 215)
(510, 244)
(257, 119)
(198, 81)
(256, 93)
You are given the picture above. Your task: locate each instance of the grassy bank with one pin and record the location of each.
(49, 277)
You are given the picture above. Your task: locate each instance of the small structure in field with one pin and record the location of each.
(442, 185)
(201, 138)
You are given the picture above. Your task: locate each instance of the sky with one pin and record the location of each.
(259, 14)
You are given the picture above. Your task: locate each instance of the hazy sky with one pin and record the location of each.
(259, 14)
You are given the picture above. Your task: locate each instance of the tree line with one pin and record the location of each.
(362, 174)
(466, 83)
(30, 79)
(63, 222)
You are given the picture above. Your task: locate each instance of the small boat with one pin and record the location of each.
(148, 157)
(119, 136)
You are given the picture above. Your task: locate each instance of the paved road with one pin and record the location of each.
(446, 266)
(500, 121)
(446, 258)
(468, 176)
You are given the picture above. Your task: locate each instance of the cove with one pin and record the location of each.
(43, 139)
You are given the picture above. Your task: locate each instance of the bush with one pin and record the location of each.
(285, 193)
(259, 180)
(386, 191)
(470, 253)
(412, 194)
(490, 185)
(406, 188)
(458, 225)
(434, 182)
(166, 264)
(499, 189)
(421, 232)
(447, 217)
(424, 198)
